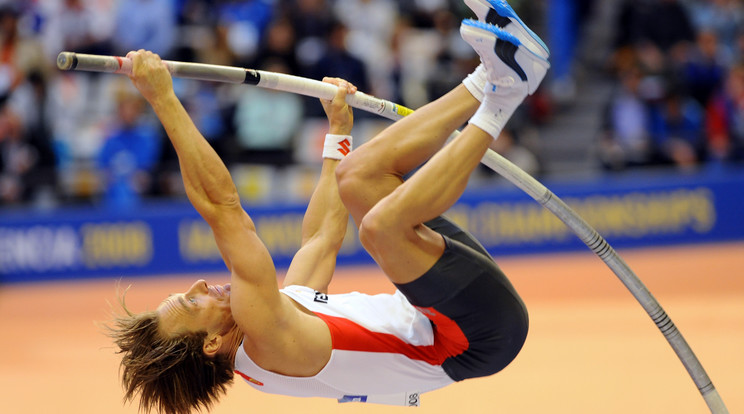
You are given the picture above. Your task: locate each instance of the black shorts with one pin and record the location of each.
(467, 287)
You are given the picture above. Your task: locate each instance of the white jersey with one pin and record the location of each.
(383, 351)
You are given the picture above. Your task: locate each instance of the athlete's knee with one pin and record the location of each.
(370, 232)
(376, 230)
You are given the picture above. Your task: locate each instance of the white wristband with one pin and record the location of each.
(337, 146)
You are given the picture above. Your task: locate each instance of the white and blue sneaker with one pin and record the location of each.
(500, 14)
(508, 63)
(512, 71)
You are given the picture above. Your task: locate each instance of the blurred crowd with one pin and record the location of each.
(679, 98)
(69, 137)
(73, 137)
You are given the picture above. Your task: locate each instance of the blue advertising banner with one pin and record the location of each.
(631, 211)
(643, 210)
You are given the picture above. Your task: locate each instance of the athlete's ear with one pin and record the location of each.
(212, 344)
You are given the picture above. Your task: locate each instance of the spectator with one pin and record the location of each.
(371, 25)
(17, 159)
(510, 148)
(244, 23)
(197, 12)
(663, 24)
(29, 103)
(657, 69)
(337, 61)
(201, 38)
(677, 130)
(625, 138)
(76, 26)
(705, 69)
(722, 17)
(312, 21)
(738, 54)
(278, 45)
(145, 24)
(454, 59)
(129, 154)
(266, 122)
(19, 55)
(725, 119)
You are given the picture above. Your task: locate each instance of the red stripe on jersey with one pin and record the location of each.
(449, 340)
(249, 379)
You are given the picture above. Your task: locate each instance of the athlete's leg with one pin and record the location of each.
(376, 168)
(392, 231)
(408, 143)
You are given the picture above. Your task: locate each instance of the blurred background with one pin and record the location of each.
(639, 127)
(641, 93)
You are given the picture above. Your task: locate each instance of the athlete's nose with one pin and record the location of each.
(200, 286)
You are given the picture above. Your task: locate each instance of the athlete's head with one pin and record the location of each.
(176, 358)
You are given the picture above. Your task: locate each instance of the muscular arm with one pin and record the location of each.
(213, 194)
(208, 184)
(326, 218)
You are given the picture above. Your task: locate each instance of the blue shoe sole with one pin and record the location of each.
(500, 33)
(503, 10)
(505, 47)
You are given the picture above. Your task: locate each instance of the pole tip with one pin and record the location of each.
(66, 61)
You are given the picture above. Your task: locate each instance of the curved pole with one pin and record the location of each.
(601, 248)
(390, 110)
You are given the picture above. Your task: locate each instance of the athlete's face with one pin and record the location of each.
(200, 308)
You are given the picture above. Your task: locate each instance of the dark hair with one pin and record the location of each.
(170, 374)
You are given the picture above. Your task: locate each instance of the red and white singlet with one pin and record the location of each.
(383, 352)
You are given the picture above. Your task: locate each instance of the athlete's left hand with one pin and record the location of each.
(339, 113)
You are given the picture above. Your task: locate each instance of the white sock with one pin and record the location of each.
(497, 107)
(476, 81)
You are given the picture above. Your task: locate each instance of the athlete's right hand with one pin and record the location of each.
(150, 75)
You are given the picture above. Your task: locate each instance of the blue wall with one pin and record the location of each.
(629, 211)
